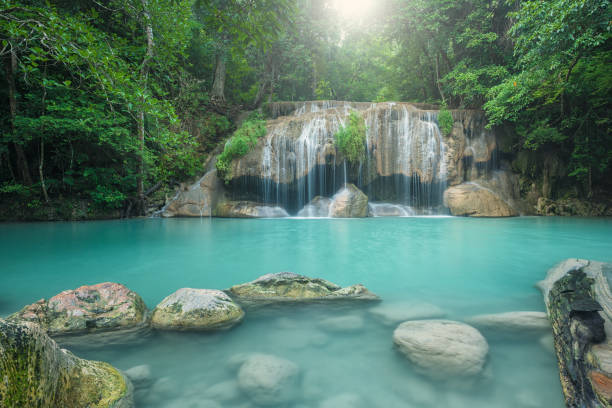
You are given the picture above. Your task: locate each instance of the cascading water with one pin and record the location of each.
(408, 161)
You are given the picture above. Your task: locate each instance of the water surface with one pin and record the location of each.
(464, 266)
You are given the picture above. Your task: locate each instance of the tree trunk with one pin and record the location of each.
(41, 161)
(22, 163)
(144, 74)
(438, 80)
(218, 89)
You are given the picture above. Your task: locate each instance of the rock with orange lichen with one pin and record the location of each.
(102, 307)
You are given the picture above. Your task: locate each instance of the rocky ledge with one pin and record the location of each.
(196, 309)
(287, 286)
(37, 373)
(103, 307)
(579, 304)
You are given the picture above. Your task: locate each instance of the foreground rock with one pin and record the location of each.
(513, 321)
(102, 307)
(287, 286)
(473, 200)
(391, 313)
(579, 303)
(37, 373)
(442, 348)
(350, 202)
(268, 380)
(247, 209)
(196, 309)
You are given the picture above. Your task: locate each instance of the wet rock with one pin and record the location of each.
(197, 200)
(224, 391)
(317, 207)
(247, 209)
(268, 380)
(442, 348)
(513, 321)
(196, 309)
(573, 207)
(140, 376)
(342, 323)
(579, 304)
(473, 200)
(96, 308)
(344, 401)
(349, 202)
(392, 313)
(37, 373)
(287, 286)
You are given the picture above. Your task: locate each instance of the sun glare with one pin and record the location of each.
(353, 9)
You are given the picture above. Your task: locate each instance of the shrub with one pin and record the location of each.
(350, 140)
(242, 141)
(445, 120)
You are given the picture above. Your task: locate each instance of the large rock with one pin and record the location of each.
(268, 380)
(287, 286)
(35, 372)
(349, 202)
(513, 321)
(317, 207)
(197, 200)
(102, 307)
(473, 200)
(579, 303)
(247, 209)
(196, 309)
(442, 348)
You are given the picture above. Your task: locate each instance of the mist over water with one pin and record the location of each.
(463, 266)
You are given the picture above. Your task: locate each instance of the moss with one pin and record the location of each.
(350, 139)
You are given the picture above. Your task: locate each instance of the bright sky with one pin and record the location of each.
(354, 9)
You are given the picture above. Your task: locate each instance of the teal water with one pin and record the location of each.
(464, 266)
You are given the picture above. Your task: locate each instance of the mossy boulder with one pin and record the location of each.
(37, 373)
(102, 307)
(196, 309)
(287, 286)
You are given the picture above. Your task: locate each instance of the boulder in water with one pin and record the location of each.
(442, 348)
(37, 373)
(196, 309)
(287, 286)
(349, 202)
(317, 207)
(472, 200)
(102, 307)
(248, 209)
(268, 380)
(513, 321)
(140, 375)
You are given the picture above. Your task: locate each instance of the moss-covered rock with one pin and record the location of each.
(196, 309)
(37, 373)
(102, 307)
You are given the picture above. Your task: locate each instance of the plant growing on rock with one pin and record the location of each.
(242, 141)
(350, 139)
(445, 121)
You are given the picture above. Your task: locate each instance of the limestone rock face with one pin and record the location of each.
(349, 202)
(579, 303)
(268, 380)
(102, 307)
(199, 199)
(442, 348)
(196, 309)
(287, 286)
(317, 207)
(37, 373)
(247, 209)
(470, 199)
(513, 321)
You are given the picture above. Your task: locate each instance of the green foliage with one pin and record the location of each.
(324, 90)
(350, 139)
(446, 121)
(242, 141)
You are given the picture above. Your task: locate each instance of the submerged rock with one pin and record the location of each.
(342, 323)
(513, 321)
(196, 309)
(248, 209)
(349, 202)
(37, 373)
(268, 380)
(140, 375)
(102, 307)
(395, 312)
(344, 401)
(442, 348)
(317, 207)
(287, 286)
(579, 303)
(473, 200)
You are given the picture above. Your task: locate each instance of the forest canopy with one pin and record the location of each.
(116, 102)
